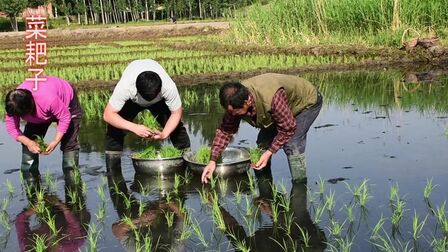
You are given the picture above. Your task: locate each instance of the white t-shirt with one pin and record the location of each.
(127, 90)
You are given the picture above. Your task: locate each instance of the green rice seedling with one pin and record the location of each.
(204, 196)
(288, 219)
(141, 207)
(250, 221)
(223, 184)
(41, 142)
(169, 151)
(147, 243)
(378, 226)
(275, 212)
(342, 244)
(248, 205)
(100, 193)
(186, 227)
(238, 195)
(417, 226)
(100, 216)
(285, 202)
(385, 243)
(202, 155)
(187, 177)
(350, 215)
(441, 218)
(255, 154)
(428, 189)
(73, 196)
(126, 200)
(439, 245)
(50, 220)
(40, 243)
(5, 204)
(177, 182)
(168, 197)
(306, 237)
(5, 221)
(151, 152)
(239, 245)
(288, 244)
(393, 195)
(336, 228)
(169, 216)
(360, 193)
(197, 230)
(321, 186)
(319, 212)
(150, 121)
(9, 186)
(251, 182)
(92, 236)
(218, 219)
(398, 212)
(213, 181)
(329, 201)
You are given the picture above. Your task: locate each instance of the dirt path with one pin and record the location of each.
(56, 37)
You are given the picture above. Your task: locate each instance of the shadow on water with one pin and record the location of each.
(377, 130)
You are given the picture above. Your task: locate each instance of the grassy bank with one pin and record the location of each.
(373, 22)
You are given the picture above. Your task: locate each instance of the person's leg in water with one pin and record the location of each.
(295, 147)
(30, 161)
(115, 136)
(70, 141)
(179, 137)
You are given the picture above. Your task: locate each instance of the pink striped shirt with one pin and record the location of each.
(52, 99)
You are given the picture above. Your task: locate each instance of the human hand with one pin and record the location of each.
(50, 147)
(208, 171)
(264, 159)
(33, 147)
(142, 131)
(159, 136)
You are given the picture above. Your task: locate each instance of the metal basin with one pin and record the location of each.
(157, 166)
(235, 161)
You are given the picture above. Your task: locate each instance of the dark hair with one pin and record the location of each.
(233, 93)
(148, 85)
(19, 102)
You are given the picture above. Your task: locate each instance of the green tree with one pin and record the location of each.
(12, 9)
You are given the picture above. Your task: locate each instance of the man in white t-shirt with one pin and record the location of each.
(144, 85)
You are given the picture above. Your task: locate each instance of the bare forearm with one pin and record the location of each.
(172, 122)
(23, 139)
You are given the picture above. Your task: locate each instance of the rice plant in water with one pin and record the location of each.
(428, 189)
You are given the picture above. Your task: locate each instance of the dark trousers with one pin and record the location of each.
(295, 145)
(115, 136)
(70, 140)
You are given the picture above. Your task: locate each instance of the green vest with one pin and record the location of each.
(300, 92)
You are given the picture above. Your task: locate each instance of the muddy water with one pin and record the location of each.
(386, 127)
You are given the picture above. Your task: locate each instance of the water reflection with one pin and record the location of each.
(152, 222)
(286, 233)
(50, 222)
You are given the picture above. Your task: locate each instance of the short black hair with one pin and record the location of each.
(148, 85)
(233, 93)
(19, 102)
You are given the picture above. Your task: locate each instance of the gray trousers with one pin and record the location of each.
(295, 147)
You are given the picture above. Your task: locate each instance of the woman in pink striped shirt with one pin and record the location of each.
(55, 100)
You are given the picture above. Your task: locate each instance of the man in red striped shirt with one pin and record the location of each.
(283, 106)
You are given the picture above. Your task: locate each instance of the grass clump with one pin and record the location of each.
(165, 152)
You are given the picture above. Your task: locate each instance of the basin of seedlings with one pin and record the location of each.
(233, 161)
(166, 160)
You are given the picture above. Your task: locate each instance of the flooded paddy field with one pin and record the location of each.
(376, 165)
